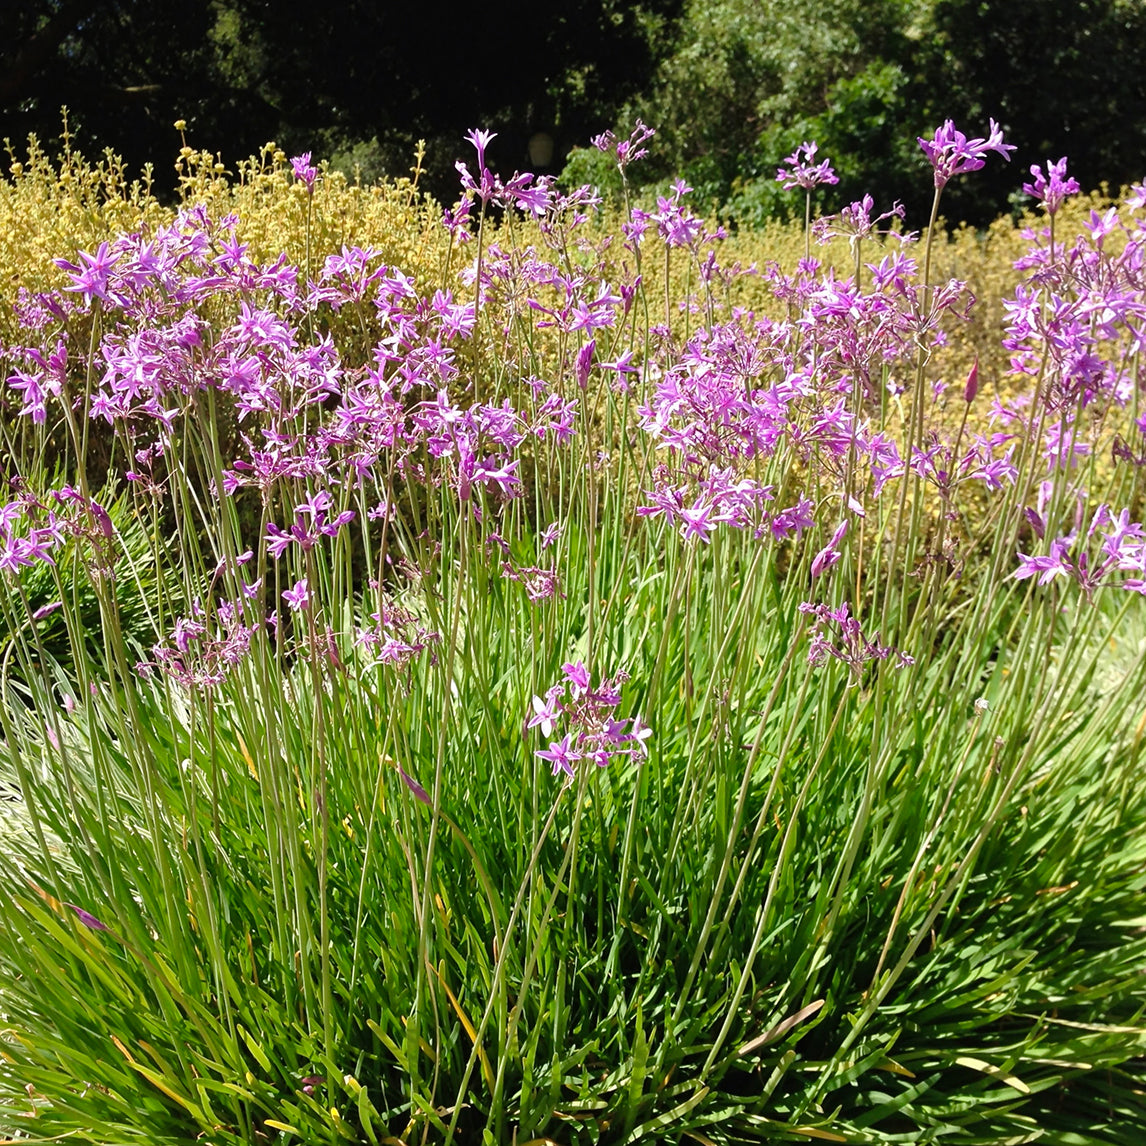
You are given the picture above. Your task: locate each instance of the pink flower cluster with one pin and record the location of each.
(395, 637)
(835, 633)
(29, 531)
(803, 171)
(1110, 545)
(205, 647)
(951, 153)
(588, 715)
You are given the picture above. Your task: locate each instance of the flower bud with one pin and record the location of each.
(972, 387)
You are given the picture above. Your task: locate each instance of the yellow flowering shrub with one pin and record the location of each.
(52, 208)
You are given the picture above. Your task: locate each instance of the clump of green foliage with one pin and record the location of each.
(583, 695)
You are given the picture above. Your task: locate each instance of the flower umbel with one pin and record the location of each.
(951, 153)
(803, 170)
(1053, 186)
(592, 730)
(304, 170)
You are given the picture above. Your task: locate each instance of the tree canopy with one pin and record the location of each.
(731, 85)
(746, 81)
(353, 76)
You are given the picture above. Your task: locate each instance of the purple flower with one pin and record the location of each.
(972, 385)
(1052, 187)
(951, 153)
(698, 521)
(592, 730)
(1102, 225)
(585, 363)
(311, 1081)
(835, 633)
(1123, 549)
(310, 525)
(298, 598)
(678, 226)
(92, 280)
(457, 221)
(621, 366)
(546, 712)
(561, 755)
(185, 632)
(830, 554)
(794, 519)
(854, 222)
(1123, 539)
(535, 199)
(16, 550)
(87, 919)
(36, 389)
(577, 675)
(804, 171)
(1062, 448)
(626, 150)
(420, 793)
(304, 172)
(200, 657)
(540, 584)
(639, 733)
(278, 541)
(481, 140)
(487, 185)
(980, 463)
(1055, 564)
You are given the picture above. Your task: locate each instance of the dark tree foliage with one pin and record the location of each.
(747, 77)
(126, 70)
(748, 80)
(323, 75)
(1063, 77)
(732, 85)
